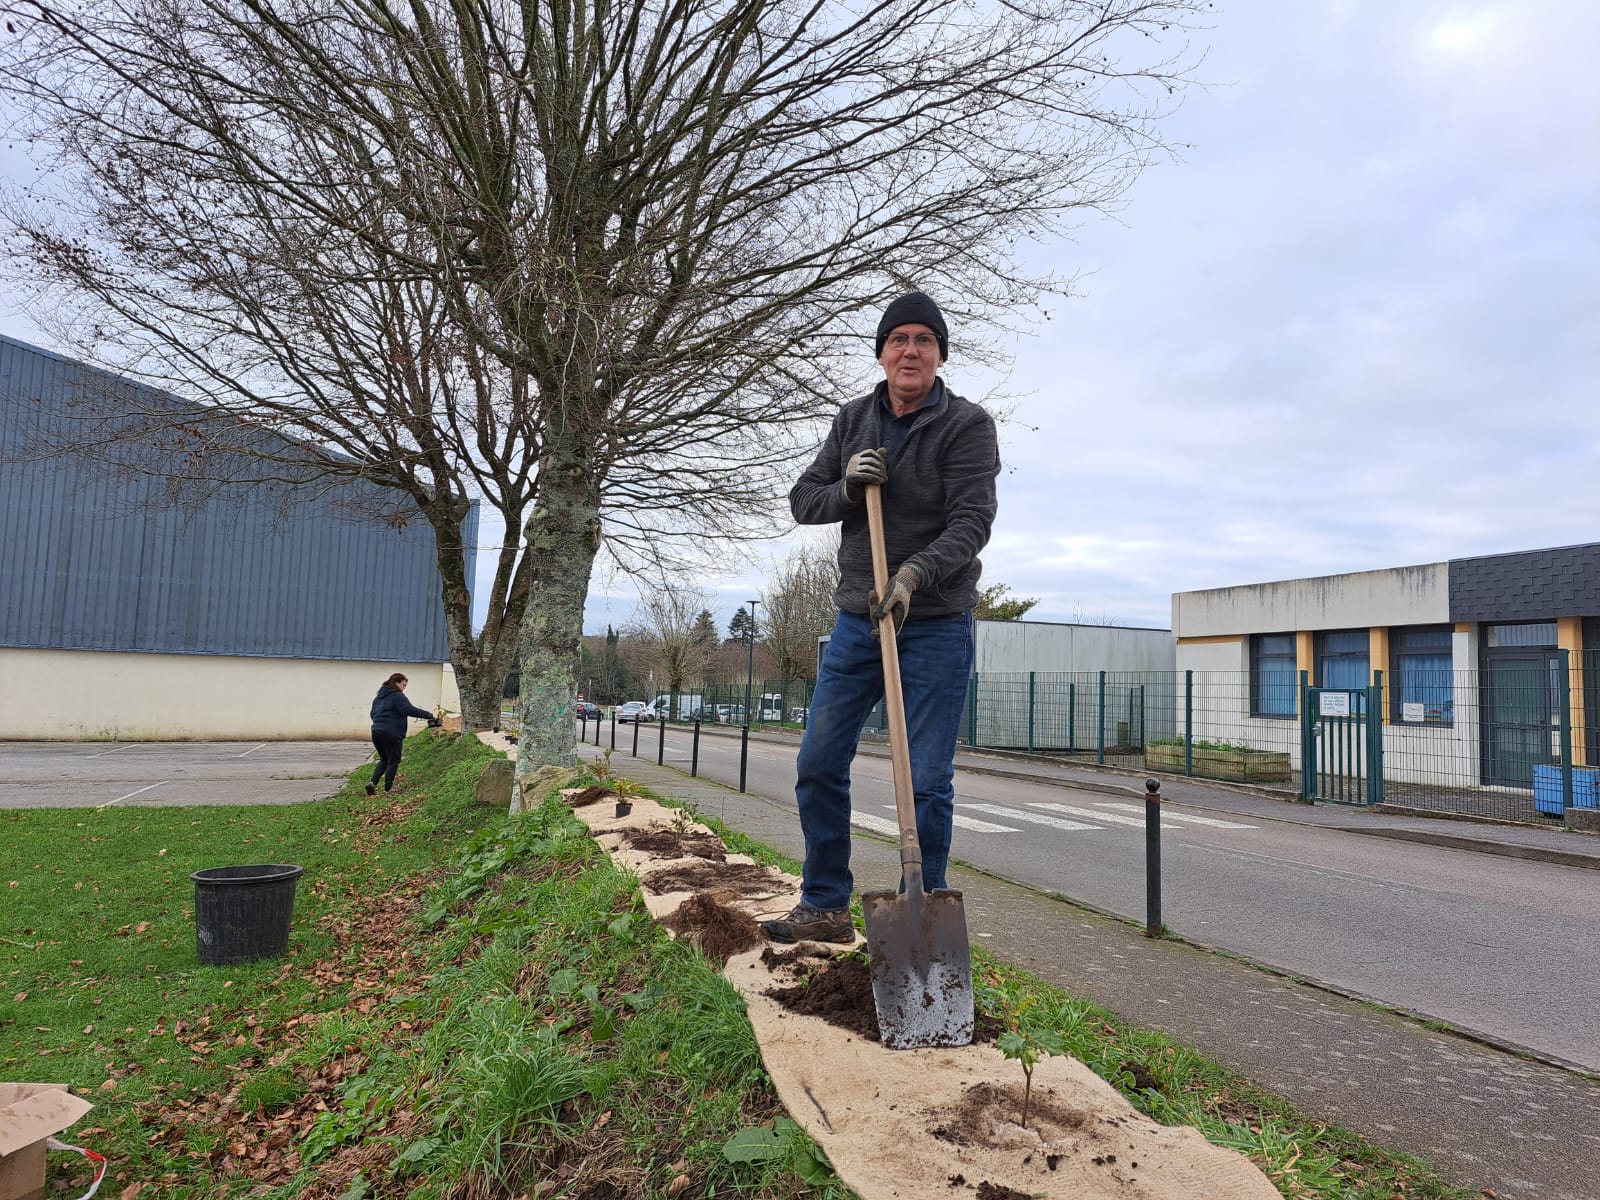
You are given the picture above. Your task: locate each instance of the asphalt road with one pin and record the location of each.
(157, 774)
(1506, 948)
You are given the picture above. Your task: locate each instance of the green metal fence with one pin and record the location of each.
(1517, 740)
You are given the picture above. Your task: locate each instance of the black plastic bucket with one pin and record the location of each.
(243, 913)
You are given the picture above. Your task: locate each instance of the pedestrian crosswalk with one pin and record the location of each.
(1073, 818)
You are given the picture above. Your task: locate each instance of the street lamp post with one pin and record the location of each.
(749, 684)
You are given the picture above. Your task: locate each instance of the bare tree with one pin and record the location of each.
(799, 609)
(667, 639)
(666, 226)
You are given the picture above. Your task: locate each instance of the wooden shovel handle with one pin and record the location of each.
(905, 805)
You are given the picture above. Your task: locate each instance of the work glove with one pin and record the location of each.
(898, 602)
(435, 723)
(864, 467)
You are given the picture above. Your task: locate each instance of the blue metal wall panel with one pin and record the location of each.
(92, 558)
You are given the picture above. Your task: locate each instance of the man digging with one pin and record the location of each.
(936, 456)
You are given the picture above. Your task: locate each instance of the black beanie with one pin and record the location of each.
(913, 308)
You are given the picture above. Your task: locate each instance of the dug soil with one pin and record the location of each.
(669, 843)
(839, 991)
(589, 795)
(719, 931)
(741, 879)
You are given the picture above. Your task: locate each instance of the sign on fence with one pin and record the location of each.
(1333, 704)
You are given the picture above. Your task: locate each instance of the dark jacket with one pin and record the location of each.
(390, 708)
(938, 503)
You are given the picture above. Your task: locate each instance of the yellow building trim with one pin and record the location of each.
(1569, 637)
(1212, 639)
(1378, 660)
(1305, 654)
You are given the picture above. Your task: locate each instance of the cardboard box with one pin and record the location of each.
(30, 1113)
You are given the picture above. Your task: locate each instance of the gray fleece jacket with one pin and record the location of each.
(938, 503)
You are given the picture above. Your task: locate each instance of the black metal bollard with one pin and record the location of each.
(694, 756)
(613, 728)
(744, 752)
(597, 729)
(661, 742)
(1152, 857)
(636, 735)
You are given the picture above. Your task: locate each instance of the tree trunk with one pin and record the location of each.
(561, 539)
(481, 663)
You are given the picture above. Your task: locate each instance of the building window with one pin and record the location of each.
(1421, 672)
(1272, 675)
(1343, 664)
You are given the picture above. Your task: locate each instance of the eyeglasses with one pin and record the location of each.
(899, 341)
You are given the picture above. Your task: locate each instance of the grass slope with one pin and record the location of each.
(472, 1007)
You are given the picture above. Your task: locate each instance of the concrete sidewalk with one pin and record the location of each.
(1484, 1117)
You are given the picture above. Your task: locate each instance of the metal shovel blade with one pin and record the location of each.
(921, 967)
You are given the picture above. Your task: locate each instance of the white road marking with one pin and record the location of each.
(1016, 814)
(882, 825)
(1168, 815)
(973, 824)
(1089, 814)
(250, 751)
(129, 796)
(876, 824)
(103, 753)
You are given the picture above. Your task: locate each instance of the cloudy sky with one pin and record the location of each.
(1357, 326)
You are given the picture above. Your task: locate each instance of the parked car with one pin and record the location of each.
(587, 711)
(630, 712)
(799, 715)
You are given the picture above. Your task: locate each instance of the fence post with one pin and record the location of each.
(1072, 718)
(1100, 722)
(1188, 723)
(972, 711)
(1308, 756)
(1564, 659)
(1030, 712)
(1375, 739)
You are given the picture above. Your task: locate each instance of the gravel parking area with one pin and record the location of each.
(155, 774)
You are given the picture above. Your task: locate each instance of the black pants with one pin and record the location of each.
(389, 747)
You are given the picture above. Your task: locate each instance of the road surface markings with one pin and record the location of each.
(250, 751)
(892, 828)
(1016, 814)
(976, 825)
(1169, 815)
(129, 796)
(103, 753)
(1089, 814)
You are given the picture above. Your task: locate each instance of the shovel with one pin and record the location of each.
(921, 962)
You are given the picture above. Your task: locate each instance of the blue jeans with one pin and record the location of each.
(935, 662)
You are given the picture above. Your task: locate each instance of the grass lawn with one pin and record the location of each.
(472, 1006)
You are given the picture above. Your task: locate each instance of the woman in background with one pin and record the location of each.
(390, 708)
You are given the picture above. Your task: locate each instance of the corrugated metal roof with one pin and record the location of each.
(95, 558)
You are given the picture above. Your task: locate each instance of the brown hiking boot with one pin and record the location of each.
(807, 924)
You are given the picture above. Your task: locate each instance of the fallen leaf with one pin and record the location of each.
(677, 1185)
(131, 1192)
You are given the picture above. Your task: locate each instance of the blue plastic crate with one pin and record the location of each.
(1547, 788)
